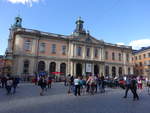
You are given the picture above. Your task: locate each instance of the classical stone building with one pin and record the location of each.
(76, 54)
(141, 61)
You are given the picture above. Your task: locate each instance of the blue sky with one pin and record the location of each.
(115, 21)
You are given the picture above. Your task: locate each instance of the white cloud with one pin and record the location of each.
(120, 43)
(137, 44)
(28, 2)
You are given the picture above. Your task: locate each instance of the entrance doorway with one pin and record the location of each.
(113, 72)
(79, 69)
(96, 70)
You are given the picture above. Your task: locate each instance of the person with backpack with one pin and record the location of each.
(77, 85)
(91, 82)
(42, 83)
(134, 88)
(9, 84)
(128, 85)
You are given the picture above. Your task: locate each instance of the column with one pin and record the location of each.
(92, 68)
(110, 70)
(46, 66)
(83, 68)
(71, 68)
(92, 53)
(117, 71)
(100, 54)
(74, 66)
(84, 52)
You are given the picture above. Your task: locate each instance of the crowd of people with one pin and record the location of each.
(79, 85)
(44, 82)
(9, 83)
(85, 84)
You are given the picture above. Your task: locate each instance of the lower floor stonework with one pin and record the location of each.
(29, 66)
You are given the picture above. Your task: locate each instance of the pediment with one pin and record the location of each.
(88, 39)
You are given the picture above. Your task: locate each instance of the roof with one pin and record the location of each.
(141, 50)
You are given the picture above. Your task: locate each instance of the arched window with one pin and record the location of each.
(26, 66)
(120, 71)
(113, 72)
(63, 69)
(41, 66)
(52, 67)
(106, 70)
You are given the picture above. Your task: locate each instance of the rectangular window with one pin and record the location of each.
(140, 64)
(139, 57)
(42, 47)
(79, 51)
(149, 55)
(127, 57)
(88, 52)
(27, 45)
(119, 56)
(53, 49)
(106, 55)
(136, 58)
(63, 49)
(144, 55)
(96, 52)
(113, 56)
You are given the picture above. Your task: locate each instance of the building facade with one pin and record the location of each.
(141, 61)
(80, 53)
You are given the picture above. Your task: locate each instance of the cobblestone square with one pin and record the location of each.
(56, 100)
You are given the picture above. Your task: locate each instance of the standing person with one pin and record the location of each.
(9, 84)
(49, 82)
(102, 84)
(139, 83)
(77, 86)
(134, 88)
(91, 82)
(96, 83)
(42, 84)
(128, 85)
(3, 81)
(15, 83)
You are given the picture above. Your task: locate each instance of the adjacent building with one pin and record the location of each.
(141, 61)
(34, 51)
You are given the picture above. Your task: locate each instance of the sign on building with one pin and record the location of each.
(88, 67)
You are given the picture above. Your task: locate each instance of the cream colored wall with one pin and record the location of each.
(19, 46)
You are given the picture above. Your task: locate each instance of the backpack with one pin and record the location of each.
(9, 82)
